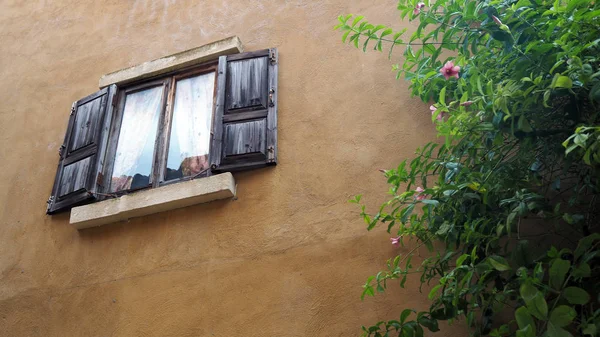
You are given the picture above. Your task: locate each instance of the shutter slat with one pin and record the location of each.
(247, 85)
(244, 138)
(86, 121)
(74, 177)
(82, 151)
(245, 127)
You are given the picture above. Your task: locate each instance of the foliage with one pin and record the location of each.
(512, 191)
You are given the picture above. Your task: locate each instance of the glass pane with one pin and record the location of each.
(190, 129)
(135, 148)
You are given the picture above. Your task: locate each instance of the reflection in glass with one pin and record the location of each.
(135, 148)
(190, 128)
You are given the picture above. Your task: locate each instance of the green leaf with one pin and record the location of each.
(434, 291)
(443, 96)
(479, 87)
(586, 156)
(461, 259)
(404, 315)
(562, 316)
(576, 295)
(539, 307)
(430, 202)
(571, 148)
(429, 323)
(444, 229)
(534, 299)
(595, 92)
(558, 271)
(556, 65)
(554, 331)
(499, 263)
(386, 32)
(523, 124)
(582, 270)
(345, 36)
(585, 244)
(562, 82)
(524, 319)
(590, 329)
(356, 20)
(525, 332)
(368, 291)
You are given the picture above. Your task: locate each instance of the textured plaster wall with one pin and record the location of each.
(285, 259)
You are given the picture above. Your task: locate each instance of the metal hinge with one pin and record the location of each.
(61, 149)
(271, 101)
(271, 154)
(49, 202)
(114, 101)
(272, 57)
(72, 111)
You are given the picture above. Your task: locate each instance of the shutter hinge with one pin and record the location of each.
(61, 150)
(271, 154)
(49, 202)
(272, 57)
(72, 111)
(271, 102)
(114, 101)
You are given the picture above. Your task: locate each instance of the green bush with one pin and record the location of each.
(512, 187)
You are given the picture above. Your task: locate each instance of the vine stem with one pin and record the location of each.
(352, 29)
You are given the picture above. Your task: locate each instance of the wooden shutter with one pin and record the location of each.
(82, 153)
(245, 125)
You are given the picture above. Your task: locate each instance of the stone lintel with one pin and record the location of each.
(184, 59)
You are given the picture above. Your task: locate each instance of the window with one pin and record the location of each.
(211, 118)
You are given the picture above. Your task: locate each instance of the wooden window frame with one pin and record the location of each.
(243, 140)
(161, 145)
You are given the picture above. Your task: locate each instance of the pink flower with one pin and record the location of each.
(496, 20)
(420, 195)
(417, 9)
(450, 70)
(467, 103)
(396, 241)
(433, 110)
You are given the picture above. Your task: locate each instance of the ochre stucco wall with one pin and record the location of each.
(287, 258)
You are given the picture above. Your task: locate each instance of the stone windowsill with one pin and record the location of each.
(153, 201)
(184, 59)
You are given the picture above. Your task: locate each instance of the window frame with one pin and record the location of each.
(161, 145)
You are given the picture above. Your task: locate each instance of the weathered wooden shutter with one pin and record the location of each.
(82, 153)
(245, 126)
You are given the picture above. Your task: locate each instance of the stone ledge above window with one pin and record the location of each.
(153, 201)
(184, 59)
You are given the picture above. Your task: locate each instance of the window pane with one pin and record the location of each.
(190, 129)
(135, 148)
